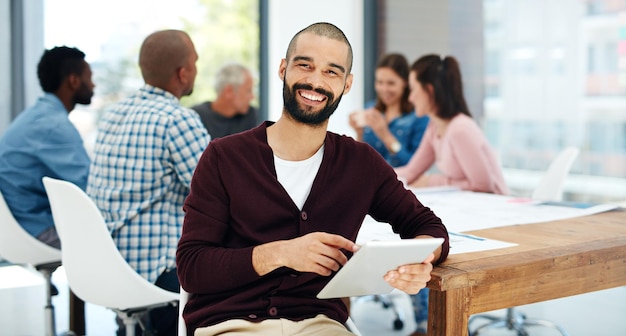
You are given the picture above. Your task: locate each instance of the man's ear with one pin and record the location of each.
(181, 73)
(282, 68)
(348, 85)
(73, 80)
(228, 91)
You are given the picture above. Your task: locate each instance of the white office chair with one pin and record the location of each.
(19, 247)
(386, 301)
(96, 271)
(550, 188)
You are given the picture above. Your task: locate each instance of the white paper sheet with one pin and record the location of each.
(459, 242)
(464, 243)
(463, 211)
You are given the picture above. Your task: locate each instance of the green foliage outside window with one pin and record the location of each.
(228, 33)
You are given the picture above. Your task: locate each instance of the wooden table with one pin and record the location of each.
(553, 260)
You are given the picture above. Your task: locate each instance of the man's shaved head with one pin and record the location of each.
(162, 53)
(323, 29)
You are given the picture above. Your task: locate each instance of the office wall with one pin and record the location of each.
(20, 50)
(5, 69)
(33, 47)
(287, 17)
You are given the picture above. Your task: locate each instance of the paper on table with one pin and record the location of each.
(463, 211)
(465, 243)
(437, 189)
(459, 242)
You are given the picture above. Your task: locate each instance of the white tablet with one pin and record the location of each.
(363, 273)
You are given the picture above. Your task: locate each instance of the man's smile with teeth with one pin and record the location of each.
(312, 96)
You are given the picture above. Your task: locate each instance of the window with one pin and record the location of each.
(562, 90)
(110, 33)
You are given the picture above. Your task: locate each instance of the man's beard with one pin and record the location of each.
(306, 115)
(188, 91)
(83, 95)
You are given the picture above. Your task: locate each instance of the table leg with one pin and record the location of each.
(77, 314)
(448, 312)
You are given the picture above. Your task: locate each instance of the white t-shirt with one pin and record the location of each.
(297, 176)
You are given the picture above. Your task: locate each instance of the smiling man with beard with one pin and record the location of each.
(274, 211)
(299, 114)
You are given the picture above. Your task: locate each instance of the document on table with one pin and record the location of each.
(459, 242)
(463, 211)
(437, 189)
(465, 243)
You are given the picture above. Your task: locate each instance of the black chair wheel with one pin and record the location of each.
(398, 324)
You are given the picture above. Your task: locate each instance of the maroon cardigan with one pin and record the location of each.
(237, 203)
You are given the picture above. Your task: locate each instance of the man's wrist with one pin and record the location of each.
(263, 258)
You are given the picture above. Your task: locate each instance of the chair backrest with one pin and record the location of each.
(18, 246)
(96, 271)
(550, 187)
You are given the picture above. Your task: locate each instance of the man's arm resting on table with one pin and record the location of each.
(437, 251)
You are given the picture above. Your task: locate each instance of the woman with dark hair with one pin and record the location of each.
(452, 140)
(390, 125)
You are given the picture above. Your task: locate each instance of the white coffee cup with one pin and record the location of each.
(360, 119)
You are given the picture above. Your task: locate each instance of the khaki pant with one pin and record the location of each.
(318, 325)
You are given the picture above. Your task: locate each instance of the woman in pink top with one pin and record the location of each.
(453, 141)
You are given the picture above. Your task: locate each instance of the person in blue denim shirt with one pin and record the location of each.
(389, 124)
(42, 141)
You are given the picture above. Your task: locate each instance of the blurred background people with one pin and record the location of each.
(453, 141)
(42, 141)
(147, 149)
(393, 128)
(230, 112)
(390, 124)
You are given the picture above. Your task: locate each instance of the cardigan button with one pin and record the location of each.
(304, 216)
(273, 311)
(252, 316)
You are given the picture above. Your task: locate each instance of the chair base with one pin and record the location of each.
(387, 303)
(513, 321)
(46, 270)
(133, 317)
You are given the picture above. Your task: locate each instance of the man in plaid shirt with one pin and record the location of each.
(146, 151)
